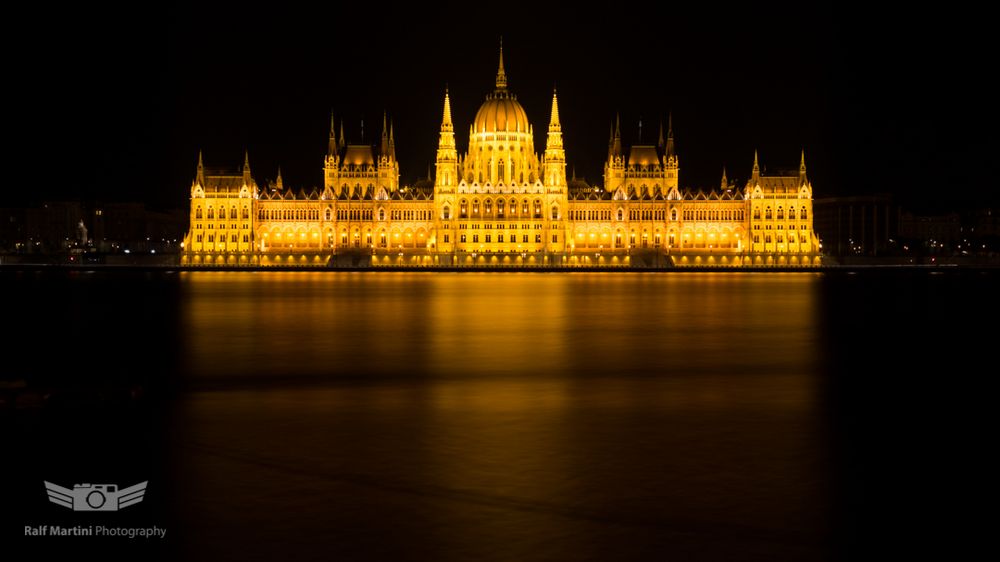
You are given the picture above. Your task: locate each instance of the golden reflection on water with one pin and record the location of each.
(473, 324)
(509, 415)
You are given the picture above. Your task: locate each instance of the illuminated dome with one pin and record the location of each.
(501, 112)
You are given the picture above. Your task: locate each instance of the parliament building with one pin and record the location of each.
(498, 204)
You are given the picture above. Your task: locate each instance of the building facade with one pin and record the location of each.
(500, 204)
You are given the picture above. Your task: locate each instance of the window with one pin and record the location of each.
(447, 238)
(756, 214)
(555, 213)
(767, 214)
(198, 238)
(791, 213)
(381, 214)
(538, 239)
(446, 213)
(475, 238)
(461, 238)
(555, 238)
(197, 213)
(673, 214)
(803, 214)
(211, 238)
(211, 213)
(232, 238)
(499, 238)
(327, 214)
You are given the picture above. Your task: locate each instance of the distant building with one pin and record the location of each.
(500, 203)
(866, 225)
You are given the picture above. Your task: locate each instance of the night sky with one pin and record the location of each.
(881, 102)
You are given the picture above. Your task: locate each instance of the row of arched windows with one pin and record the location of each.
(406, 215)
(768, 214)
(290, 214)
(222, 212)
(713, 214)
(501, 208)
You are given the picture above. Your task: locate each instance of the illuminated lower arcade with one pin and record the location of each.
(500, 204)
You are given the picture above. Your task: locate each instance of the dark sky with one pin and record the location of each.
(115, 105)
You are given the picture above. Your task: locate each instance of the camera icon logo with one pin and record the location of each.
(95, 497)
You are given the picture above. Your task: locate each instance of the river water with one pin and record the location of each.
(505, 416)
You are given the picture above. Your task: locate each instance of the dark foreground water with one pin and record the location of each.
(409, 416)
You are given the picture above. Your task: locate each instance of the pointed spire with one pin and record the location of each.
(384, 148)
(616, 148)
(200, 175)
(554, 121)
(660, 143)
(802, 166)
(333, 148)
(341, 141)
(446, 119)
(278, 183)
(670, 150)
(501, 75)
(725, 181)
(756, 168)
(392, 141)
(246, 166)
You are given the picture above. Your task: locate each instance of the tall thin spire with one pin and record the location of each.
(446, 119)
(756, 167)
(501, 75)
(660, 143)
(670, 135)
(802, 166)
(332, 149)
(246, 166)
(200, 176)
(554, 121)
(341, 141)
(384, 147)
(616, 144)
(392, 141)
(278, 183)
(725, 181)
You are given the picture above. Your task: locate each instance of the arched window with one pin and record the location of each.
(488, 204)
(197, 212)
(673, 214)
(791, 213)
(446, 212)
(500, 208)
(524, 208)
(767, 214)
(781, 213)
(555, 213)
(475, 206)
(232, 213)
(621, 214)
(463, 209)
(381, 214)
(756, 214)
(538, 209)
(211, 213)
(803, 214)
(327, 214)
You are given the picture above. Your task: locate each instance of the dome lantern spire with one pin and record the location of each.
(501, 75)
